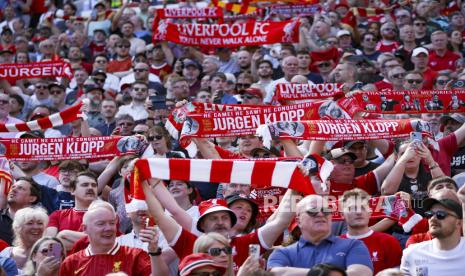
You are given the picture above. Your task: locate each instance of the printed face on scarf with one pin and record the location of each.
(234, 188)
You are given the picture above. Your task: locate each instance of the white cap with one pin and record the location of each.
(343, 32)
(419, 50)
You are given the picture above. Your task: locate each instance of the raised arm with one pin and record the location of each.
(206, 148)
(282, 218)
(291, 149)
(382, 171)
(460, 134)
(169, 203)
(167, 225)
(391, 183)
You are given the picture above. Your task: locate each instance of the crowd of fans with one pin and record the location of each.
(68, 217)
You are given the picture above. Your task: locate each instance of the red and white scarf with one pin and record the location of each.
(333, 130)
(57, 119)
(42, 69)
(245, 122)
(227, 35)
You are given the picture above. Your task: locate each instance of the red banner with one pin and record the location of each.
(245, 122)
(179, 115)
(43, 69)
(228, 35)
(26, 149)
(182, 13)
(333, 130)
(412, 102)
(298, 91)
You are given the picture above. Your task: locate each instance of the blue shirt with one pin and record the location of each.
(332, 250)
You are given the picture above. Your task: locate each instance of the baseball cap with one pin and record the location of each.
(343, 33)
(99, 72)
(453, 116)
(235, 197)
(447, 203)
(190, 62)
(339, 152)
(90, 85)
(419, 50)
(214, 205)
(198, 260)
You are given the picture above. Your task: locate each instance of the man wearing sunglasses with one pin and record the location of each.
(317, 245)
(121, 65)
(444, 254)
(139, 93)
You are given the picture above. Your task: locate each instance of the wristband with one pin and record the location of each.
(156, 253)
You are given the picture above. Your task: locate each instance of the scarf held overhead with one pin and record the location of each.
(245, 122)
(43, 69)
(227, 35)
(333, 130)
(258, 174)
(66, 148)
(306, 91)
(57, 119)
(411, 102)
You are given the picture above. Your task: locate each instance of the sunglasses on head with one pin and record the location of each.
(216, 251)
(440, 214)
(411, 81)
(155, 137)
(315, 212)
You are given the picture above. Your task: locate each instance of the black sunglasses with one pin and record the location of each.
(441, 82)
(124, 46)
(314, 212)
(411, 81)
(324, 64)
(216, 251)
(243, 85)
(138, 132)
(156, 137)
(440, 214)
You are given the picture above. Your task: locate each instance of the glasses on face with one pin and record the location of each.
(420, 24)
(155, 137)
(346, 161)
(440, 214)
(314, 212)
(126, 124)
(412, 81)
(216, 251)
(324, 64)
(55, 92)
(140, 89)
(124, 46)
(140, 70)
(138, 132)
(441, 82)
(243, 85)
(398, 76)
(249, 97)
(99, 80)
(214, 273)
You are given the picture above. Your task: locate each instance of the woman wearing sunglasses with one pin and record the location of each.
(46, 256)
(218, 247)
(160, 140)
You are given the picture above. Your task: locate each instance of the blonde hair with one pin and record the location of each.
(205, 241)
(24, 215)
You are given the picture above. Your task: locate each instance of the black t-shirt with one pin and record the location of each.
(6, 231)
(66, 200)
(364, 170)
(457, 165)
(416, 188)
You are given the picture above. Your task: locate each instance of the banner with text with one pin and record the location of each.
(245, 122)
(183, 13)
(412, 102)
(228, 35)
(306, 91)
(43, 69)
(289, 11)
(26, 149)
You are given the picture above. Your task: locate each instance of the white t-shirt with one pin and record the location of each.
(425, 259)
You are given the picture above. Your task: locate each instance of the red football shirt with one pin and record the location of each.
(366, 182)
(447, 147)
(119, 65)
(133, 261)
(161, 71)
(385, 250)
(67, 219)
(227, 154)
(445, 62)
(184, 244)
